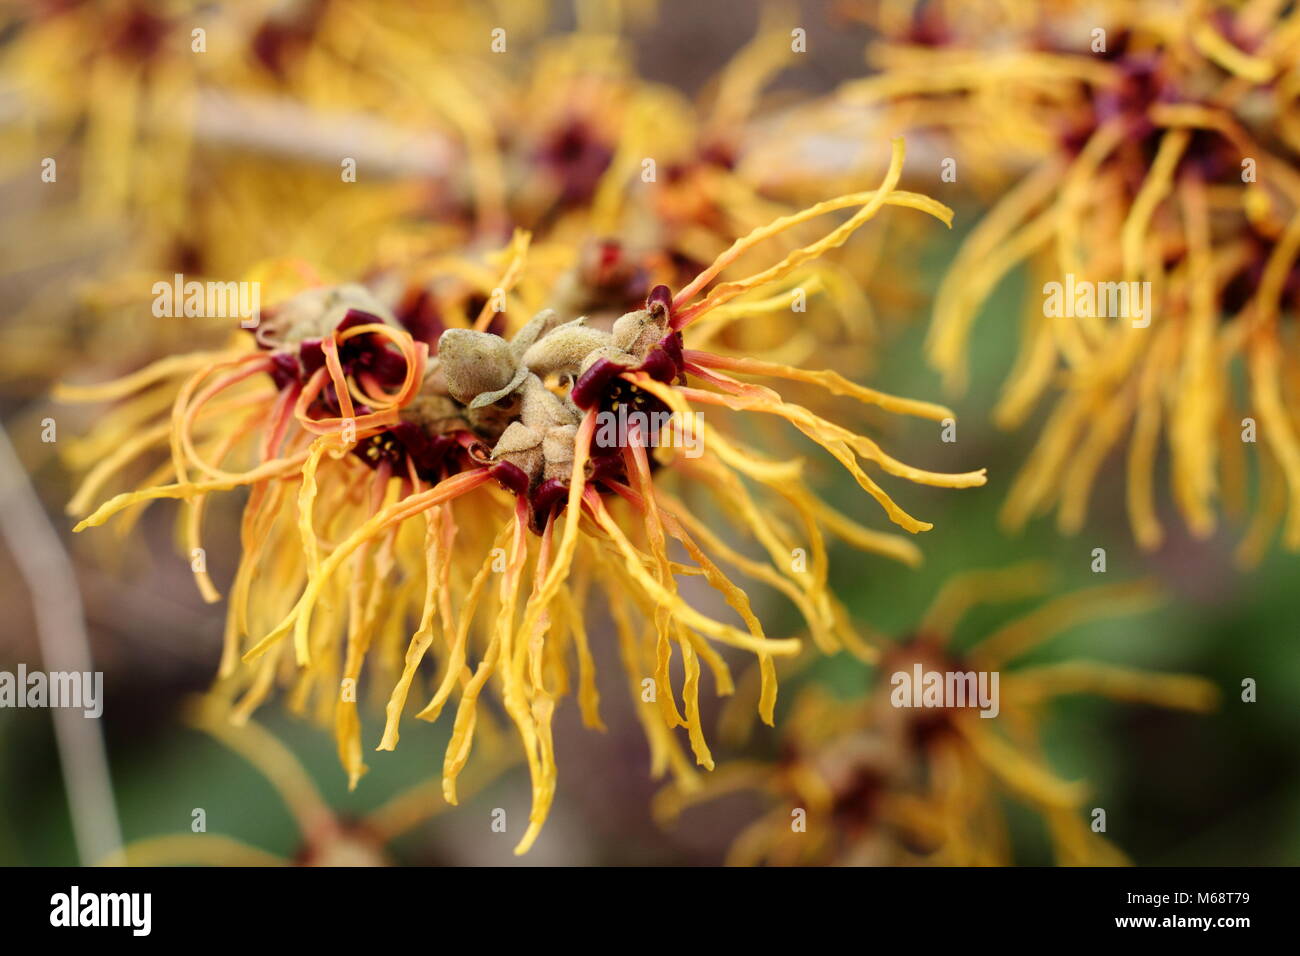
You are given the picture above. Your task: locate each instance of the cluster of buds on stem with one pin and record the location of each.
(520, 401)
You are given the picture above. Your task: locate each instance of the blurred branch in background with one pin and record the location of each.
(282, 127)
(61, 629)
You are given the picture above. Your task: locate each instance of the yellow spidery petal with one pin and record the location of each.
(870, 202)
(1016, 638)
(517, 252)
(122, 455)
(160, 370)
(368, 580)
(299, 618)
(684, 612)
(1233, 59)
(832, 381)
(964, 591)
(423, 636)
(1155, 187)
(588, 692)
(1019, 772)
(665, 752)
(866, 539)
(691, 698)
(456, 660)
(1276, 425)
(189, 489)
(638, 467)
(563, 558)
(462, 731)
(1175, 691)
(306, 501)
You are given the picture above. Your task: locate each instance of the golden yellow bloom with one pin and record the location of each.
(528, 507)
(1161, 145)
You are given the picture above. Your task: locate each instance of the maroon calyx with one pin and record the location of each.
(547, 501)
(659, 364)
(511, 477)
(364, 353)
(663, 363)
(606, 465)
(371, 355)
(660, 301)
(285, 370)
(593, 383)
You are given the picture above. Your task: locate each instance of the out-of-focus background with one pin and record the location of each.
(1179, 788)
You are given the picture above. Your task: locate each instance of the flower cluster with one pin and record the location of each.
(337, 387)
(1147, 144)
(879, 782)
